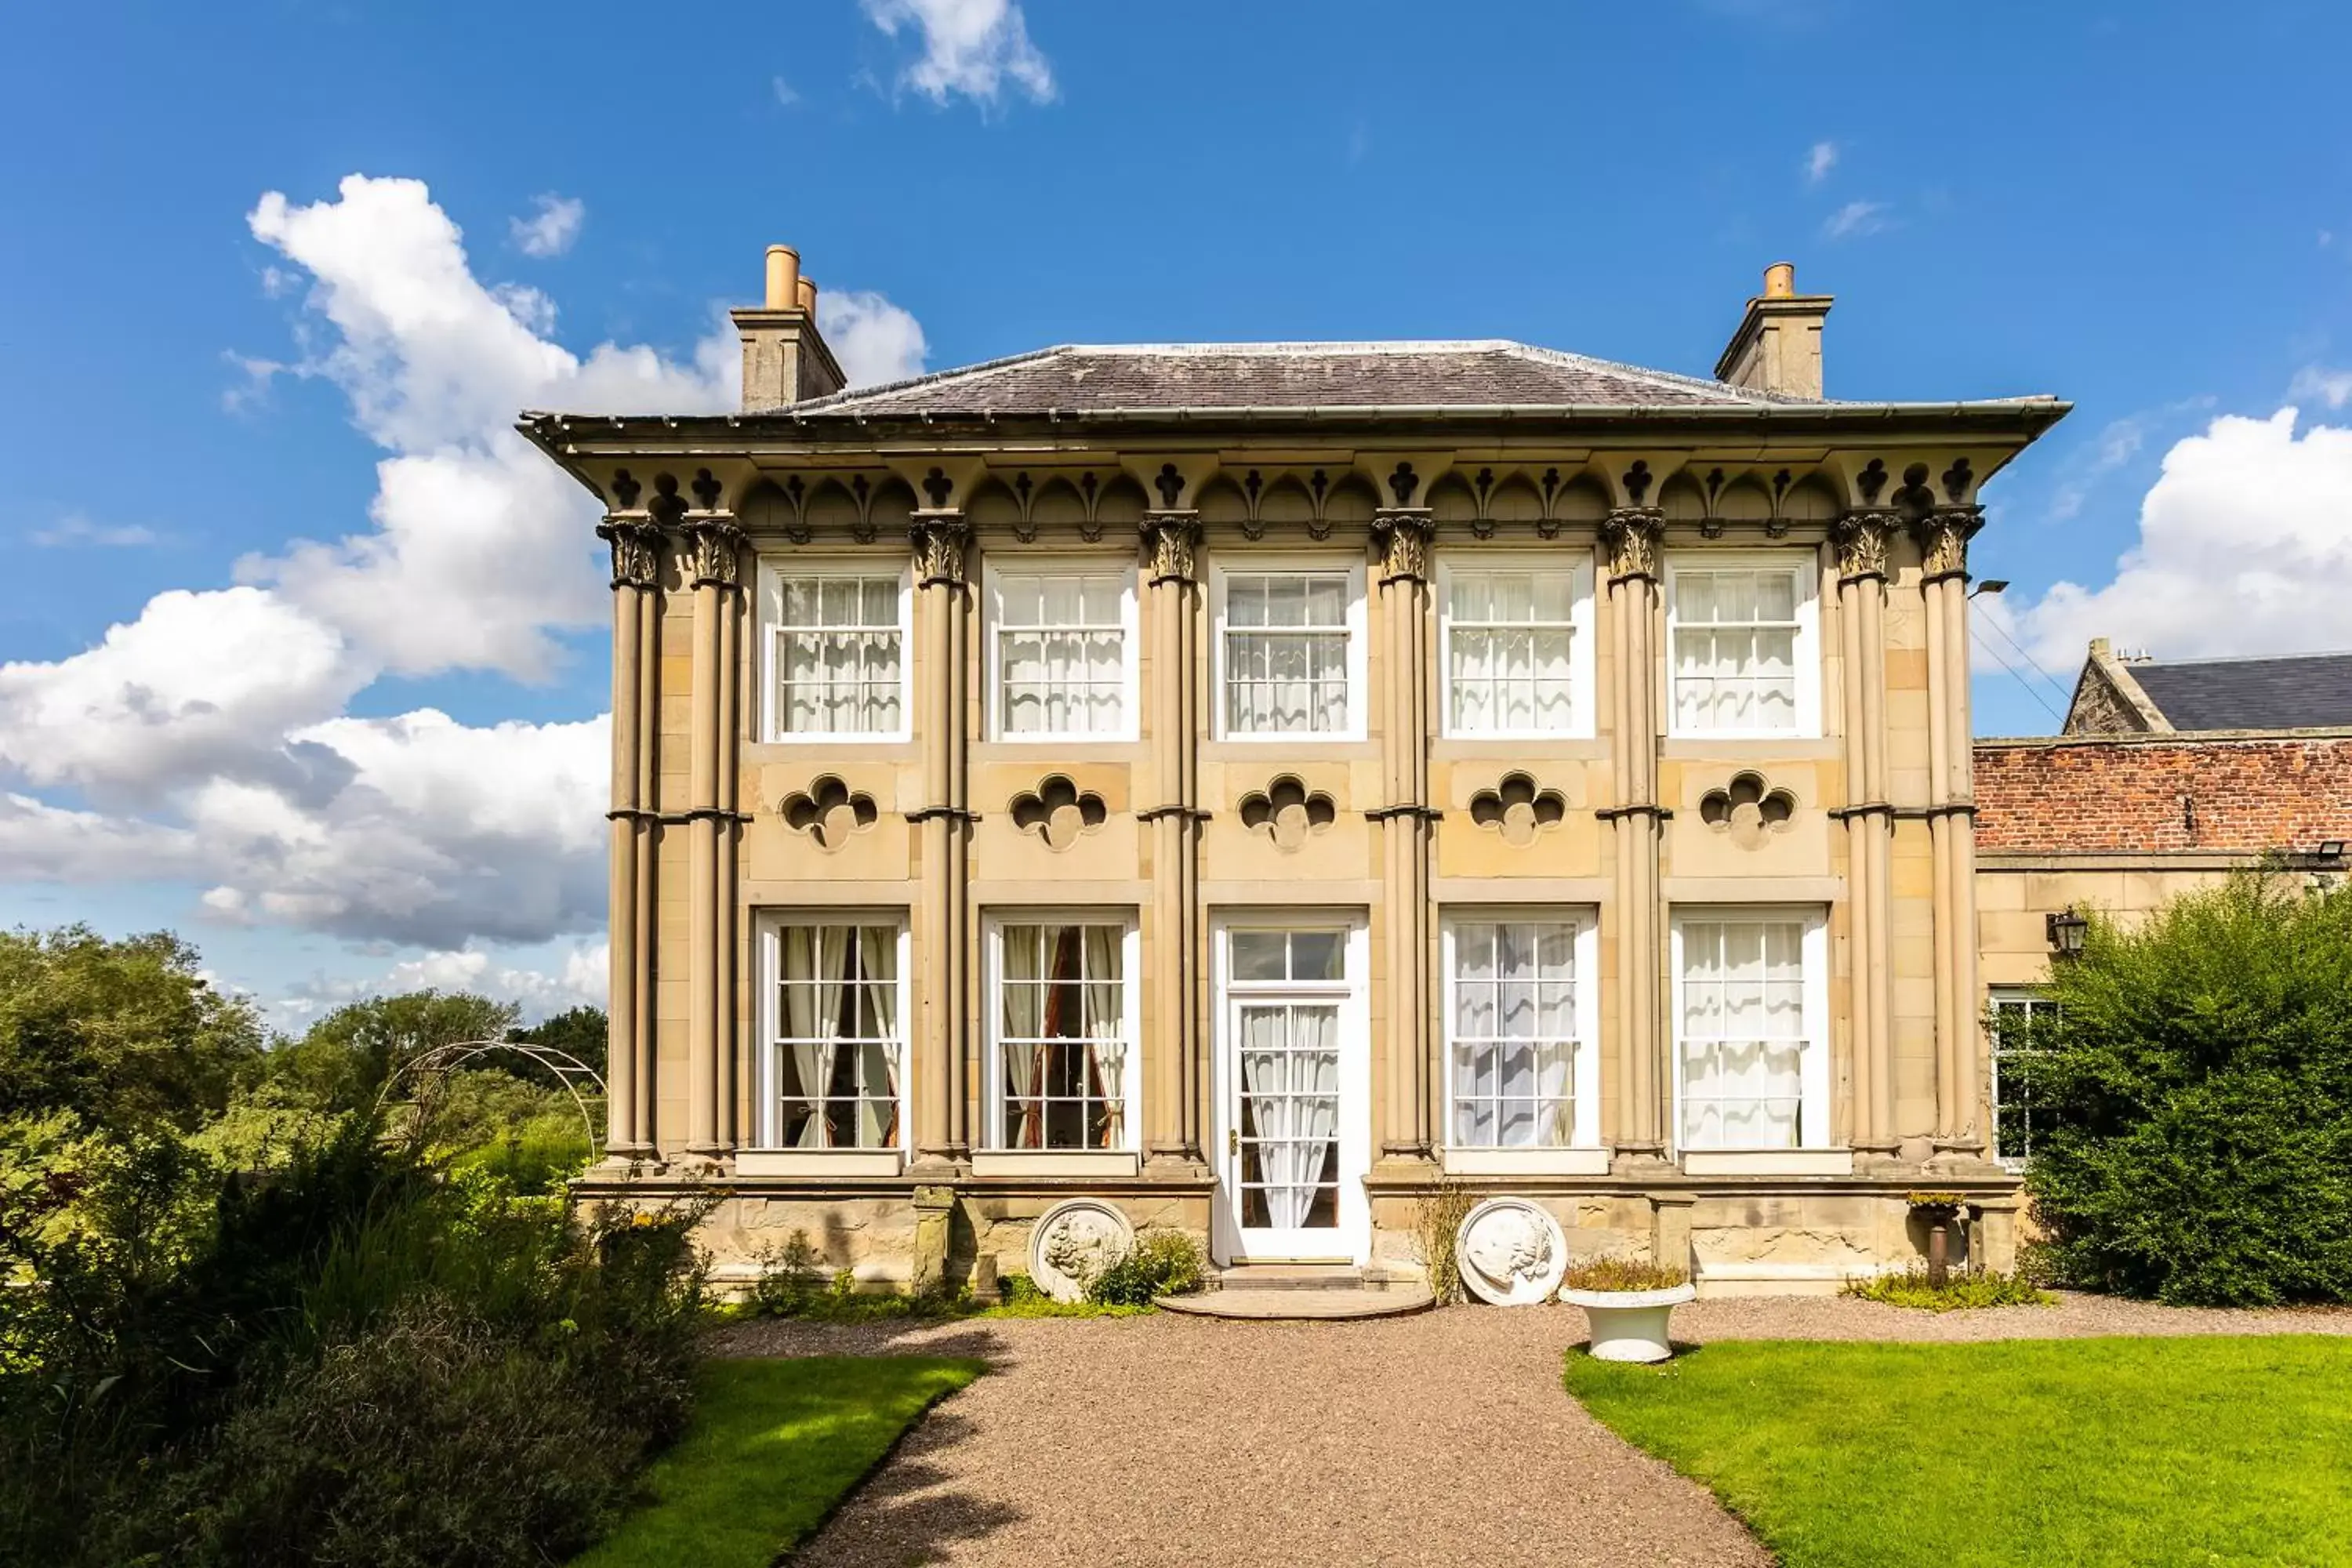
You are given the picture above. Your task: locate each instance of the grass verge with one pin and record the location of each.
(775, 1445)
(2088, 1452)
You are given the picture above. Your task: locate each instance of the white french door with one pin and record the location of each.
(1293, 1129)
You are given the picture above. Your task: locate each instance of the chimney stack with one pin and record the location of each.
(1778, 347)
(785, 360)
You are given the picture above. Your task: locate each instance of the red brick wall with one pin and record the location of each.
(2119, 794)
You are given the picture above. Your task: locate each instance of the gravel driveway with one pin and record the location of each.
(1444, 1437)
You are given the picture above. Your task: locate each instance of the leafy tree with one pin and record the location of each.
(342, 1061)
(2198, 1071)
(581, 1031)
(122, 1034)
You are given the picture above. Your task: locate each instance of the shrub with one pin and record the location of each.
(1621, 1274)
(2197, 1073)
(1160, 1263)
(429, 1439)
(1960, 1290)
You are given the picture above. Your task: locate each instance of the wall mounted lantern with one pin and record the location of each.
(2066, 930)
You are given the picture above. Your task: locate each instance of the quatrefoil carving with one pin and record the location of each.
(1286, 811)
(1517, 809)
(829, 812)
(1057, 811)
(1749, 808)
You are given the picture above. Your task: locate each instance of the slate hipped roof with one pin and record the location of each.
(1091, 378)
(2310, 691)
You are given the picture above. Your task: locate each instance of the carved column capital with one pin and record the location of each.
(636, 549)
(1861, 538)
(939, 541)
(712, 546)
(1944, 534)
(1631, 535)
(1402, 533)
(1174, 540)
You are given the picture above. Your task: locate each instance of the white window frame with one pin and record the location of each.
(777, 570)
(1584, 1077)
(1350, 1240)
(1805, 562)
(1814, 1071)
(1580, 725)
(768, 1121)
(1287, 565)
(2034, 1000)
(992, 628)
(993, 1133)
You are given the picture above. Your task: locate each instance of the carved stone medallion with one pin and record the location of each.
(1073, 1242)
(1510, 1252)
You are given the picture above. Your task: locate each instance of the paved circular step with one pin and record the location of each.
(1269, 1305)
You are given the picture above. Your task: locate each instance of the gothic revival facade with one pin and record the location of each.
(1246, 784)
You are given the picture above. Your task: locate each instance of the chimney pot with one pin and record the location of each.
(808, 295)
(1781, 281)
(783, 277)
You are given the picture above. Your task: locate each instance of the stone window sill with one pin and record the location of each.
(1526, 1162)
(818, 1162)
(1055, 1163)
(1767, 1162)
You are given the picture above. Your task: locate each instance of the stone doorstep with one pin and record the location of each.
(1300, 1276)
(1277, 1305)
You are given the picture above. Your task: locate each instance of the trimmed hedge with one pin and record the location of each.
(2198, 1074)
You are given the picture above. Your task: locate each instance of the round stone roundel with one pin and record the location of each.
(1073, 1242)
(1510, 1252)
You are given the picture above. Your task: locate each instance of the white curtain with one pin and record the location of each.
(1291, 1069)
(1743, 1033)
(830, 957)
(811, 1064)
(1024, 1021)
(1063, 652)
(1105, 1028)
(878, 1075)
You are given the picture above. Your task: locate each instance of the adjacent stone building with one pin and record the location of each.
(2168, 778)
(1248, 783)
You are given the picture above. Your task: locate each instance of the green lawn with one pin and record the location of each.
(2139, 1451)
(774, 1445)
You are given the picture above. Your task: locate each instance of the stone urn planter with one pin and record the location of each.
(1626, 1307)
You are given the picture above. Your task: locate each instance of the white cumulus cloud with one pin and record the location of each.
(550, 229)
(2245, 547)
(970, 46)
(1819, 160)
(875, 340)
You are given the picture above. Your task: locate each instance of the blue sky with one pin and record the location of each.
(280, 750)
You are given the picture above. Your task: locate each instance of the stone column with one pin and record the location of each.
(1944, 537)
(713, 546)
(1177, 1034)
(1631, 537)
(635, 541)
(1861, 538)
(1403, 534)
(942, 539)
